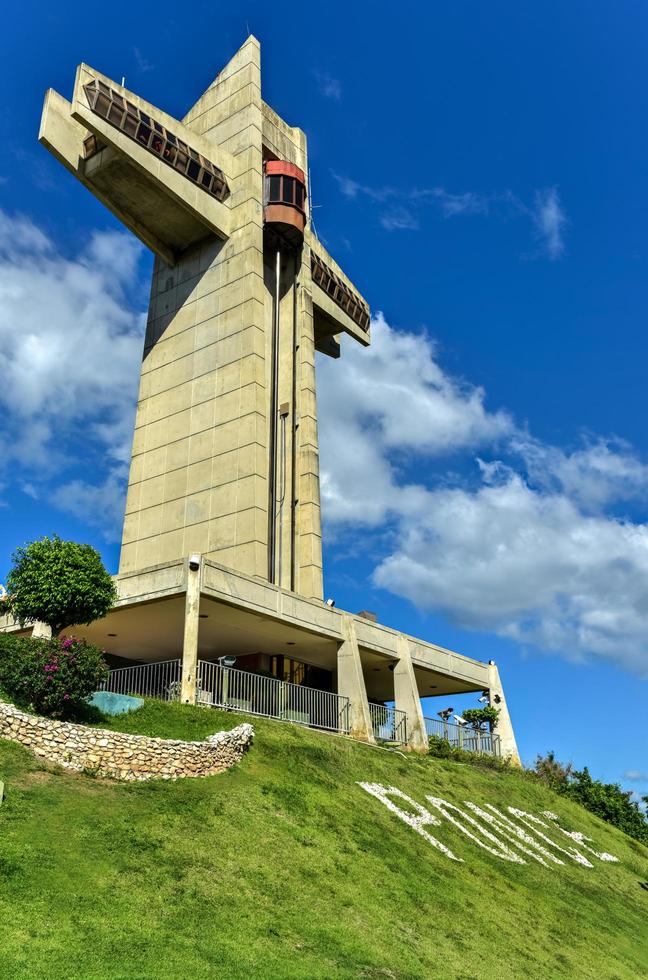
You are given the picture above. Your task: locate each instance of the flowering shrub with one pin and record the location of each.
(52, 677)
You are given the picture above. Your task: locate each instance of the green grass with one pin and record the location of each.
(283, 867)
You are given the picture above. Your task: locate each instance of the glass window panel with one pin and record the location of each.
(103, 105)
(288, 192)
(171, 139)
(145, 119)
(181, 161)
(169, 153)
(158, 128)
(206, 179)
(132, 108)
(130, 124)
(274, 193)
(182, 146)
(193, 170)
(143, 133)
(194, 155)
(103, 88)
(115, 115)
(116, 97)
(157, 143)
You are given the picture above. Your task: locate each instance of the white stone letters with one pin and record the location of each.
(524, 838)
(418, 823)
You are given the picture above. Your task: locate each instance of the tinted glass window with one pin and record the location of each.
(275, 188)
(288, 189)
(193, 170)
(143, 134)
(145, 119)
(157, 143)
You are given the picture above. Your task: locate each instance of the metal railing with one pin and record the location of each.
(239, 690)
(462, 737)
(161, 680)
(389, 724)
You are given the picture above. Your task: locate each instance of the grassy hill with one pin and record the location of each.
(284, 867)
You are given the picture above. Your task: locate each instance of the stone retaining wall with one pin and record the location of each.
(122, 756)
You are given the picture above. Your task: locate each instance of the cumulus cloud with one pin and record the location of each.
(70, 345)
(523, 544)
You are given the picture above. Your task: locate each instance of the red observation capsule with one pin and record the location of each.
(285, 201)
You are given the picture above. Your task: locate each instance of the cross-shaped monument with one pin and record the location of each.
(221, 557)
(225, 453)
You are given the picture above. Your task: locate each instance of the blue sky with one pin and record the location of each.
(480, 172)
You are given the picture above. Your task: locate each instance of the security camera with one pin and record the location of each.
(460, 721)
(445, 714)
(330, 602)
(497, 699)
(227, 661)
(194, 562)
(483, 699)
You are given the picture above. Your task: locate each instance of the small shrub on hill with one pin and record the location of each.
(51, 677)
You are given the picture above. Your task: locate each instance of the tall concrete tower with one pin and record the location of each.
(225, 455)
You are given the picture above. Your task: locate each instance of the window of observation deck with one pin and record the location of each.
(152, 135)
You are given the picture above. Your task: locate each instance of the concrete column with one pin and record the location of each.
(350, 681)
(504, 728)
(406, 696)
(191, 621)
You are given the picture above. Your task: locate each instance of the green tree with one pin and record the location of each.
(552, 771)
(60, 583)
(480, 718)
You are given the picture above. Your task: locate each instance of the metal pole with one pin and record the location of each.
(274, 395)
(293, 439)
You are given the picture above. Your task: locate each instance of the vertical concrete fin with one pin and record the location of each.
(247, 61)
(504, 725)
(350, 681)
(406, 696)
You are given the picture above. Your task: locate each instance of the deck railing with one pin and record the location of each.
(161, 680)
(239, 690)
(462, 737)
(389, 724)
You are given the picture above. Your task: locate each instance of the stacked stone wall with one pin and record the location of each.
(118, 755)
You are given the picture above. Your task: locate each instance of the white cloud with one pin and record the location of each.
(546, 213)
(70, 347)
(330, 88)
(636, 776)
(550, 221)
(523, 546)
(399, 219)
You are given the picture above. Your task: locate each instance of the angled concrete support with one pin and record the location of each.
(350, 681)
(193, 577)
(504, 728)
(406, 696)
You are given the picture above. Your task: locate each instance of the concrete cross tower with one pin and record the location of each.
(225, 452)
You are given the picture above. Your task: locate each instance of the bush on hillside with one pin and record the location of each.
(51, 677)
(607, 800)
(60, 583)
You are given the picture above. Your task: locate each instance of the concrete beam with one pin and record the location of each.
(350, 682)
